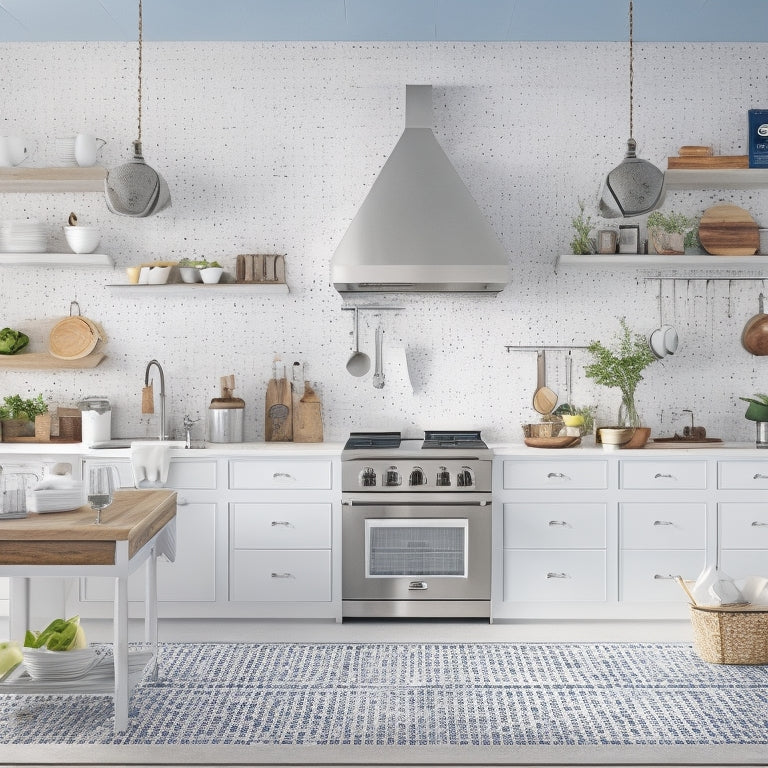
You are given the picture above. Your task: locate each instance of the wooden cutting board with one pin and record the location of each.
(307, 417)
(727, 230)
(278, 421)
(72, 338)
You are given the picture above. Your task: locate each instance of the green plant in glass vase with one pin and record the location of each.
(621, 366)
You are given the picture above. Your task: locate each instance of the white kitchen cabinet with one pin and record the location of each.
(659, 525)
(554, 526)
(187, 585)
(280, 475)
(648, 576)
(281, 575)
(555, 475)
(660, 475)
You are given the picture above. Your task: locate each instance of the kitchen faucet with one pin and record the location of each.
(163, 435)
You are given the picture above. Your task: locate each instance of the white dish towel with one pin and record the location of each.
(150, 462)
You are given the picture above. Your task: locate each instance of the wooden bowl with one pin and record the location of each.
(565, 441)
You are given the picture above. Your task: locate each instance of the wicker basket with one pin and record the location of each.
(731, 634)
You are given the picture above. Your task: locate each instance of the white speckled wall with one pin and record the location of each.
(271, 148)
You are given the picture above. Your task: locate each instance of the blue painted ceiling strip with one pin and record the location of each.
(385, 20)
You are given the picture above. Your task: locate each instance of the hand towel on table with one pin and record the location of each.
(150, 462)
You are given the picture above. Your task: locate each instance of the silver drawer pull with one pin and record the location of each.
(553, 575)
(557, 522)
(665, 477)
(418, 585)
(557, 476)
(759, 524)
(663, 577)
(282, 575)
(655, 522)
(285, 475)
(758, 476)
(284, 523)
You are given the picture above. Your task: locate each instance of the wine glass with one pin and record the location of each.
(101, 487)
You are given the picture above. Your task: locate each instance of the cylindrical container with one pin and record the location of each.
(97, 420)
(762, 434)
(225, 420)
(14, 487)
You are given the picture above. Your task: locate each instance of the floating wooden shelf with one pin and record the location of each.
(202, 289)
(686, 266)
(728, 178)
(42, 361)
(54, 179)
(55, 260)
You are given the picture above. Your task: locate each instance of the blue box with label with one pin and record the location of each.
(758, 138)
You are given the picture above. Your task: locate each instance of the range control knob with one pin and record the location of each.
(392, 477)
(368, 477)
(417, 477)
(464, 477)
(443, 477)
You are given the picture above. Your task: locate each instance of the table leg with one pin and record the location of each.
(18, 619)
(120, 651)
(150, 608)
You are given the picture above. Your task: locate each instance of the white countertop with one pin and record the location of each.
(332, 449)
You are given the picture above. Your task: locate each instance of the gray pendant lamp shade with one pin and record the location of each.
(634, 186)
(134, 188)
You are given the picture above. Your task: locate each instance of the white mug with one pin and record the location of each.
(13, 150)
(87, 147)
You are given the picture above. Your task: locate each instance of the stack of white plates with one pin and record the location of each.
(55, 499)
(65, 150)
(42, 664)
(22, 237)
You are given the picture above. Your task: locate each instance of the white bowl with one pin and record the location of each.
(190, 274)
(82, 239)
(43, 664)
(211, 274)
(158, 275)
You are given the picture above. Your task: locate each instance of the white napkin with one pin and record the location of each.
(150, 462)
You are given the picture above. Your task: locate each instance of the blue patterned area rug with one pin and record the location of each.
(415, 694)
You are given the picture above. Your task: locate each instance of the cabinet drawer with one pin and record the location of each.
(663, 526)
(554, 526)
(743, 563)
(649, 576)
(192, 474)
(663, 475)
(554, 575)
(280, 575)
(744, 526)
(746, 475)
(279, 475)
(557, 475)
(281, 526)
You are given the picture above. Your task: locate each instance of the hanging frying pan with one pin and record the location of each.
(754, 337)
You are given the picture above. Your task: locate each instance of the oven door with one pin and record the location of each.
(416, 552)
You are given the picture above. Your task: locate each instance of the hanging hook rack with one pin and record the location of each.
(537, 347)
(373, 308)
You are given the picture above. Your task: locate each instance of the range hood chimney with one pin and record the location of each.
(419, 229)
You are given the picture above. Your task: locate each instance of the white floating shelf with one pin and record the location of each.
(55, 260)
(714, 178)
(201, 289)
(54, 179)
(691, 264)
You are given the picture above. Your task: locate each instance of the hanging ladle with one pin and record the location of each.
(544, 399)
(359, 363)
(663, 340)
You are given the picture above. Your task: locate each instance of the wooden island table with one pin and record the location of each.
(138, 526)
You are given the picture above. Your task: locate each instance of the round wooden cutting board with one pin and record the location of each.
(727, 230)
(72, 338)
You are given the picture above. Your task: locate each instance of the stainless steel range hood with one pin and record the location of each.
(419, 228)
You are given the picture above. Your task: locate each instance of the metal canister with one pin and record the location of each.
(225, 420)
(97, 420)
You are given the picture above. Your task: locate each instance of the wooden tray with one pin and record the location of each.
(566, 441)
(682, 442)
(727, 230)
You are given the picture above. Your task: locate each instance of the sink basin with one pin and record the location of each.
(125, 442)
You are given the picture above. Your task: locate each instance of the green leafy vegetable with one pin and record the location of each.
(12, 341)
(59, 635)
(15, 407)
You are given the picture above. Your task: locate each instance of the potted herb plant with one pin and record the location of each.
(18, 415)
(621, 366)
(581, 243)
(671, 233)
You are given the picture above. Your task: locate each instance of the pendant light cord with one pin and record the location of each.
(141, 36)
(631, 67)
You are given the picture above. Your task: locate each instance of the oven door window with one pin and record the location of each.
(417, 547)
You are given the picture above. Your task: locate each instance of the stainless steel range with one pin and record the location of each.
(416, 525)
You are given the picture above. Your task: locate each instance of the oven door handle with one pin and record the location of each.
(403, 503)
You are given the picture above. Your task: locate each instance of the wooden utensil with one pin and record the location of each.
(754, 337)
(544, 399)
(307, 418)
(278, 424)
(727, 230)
